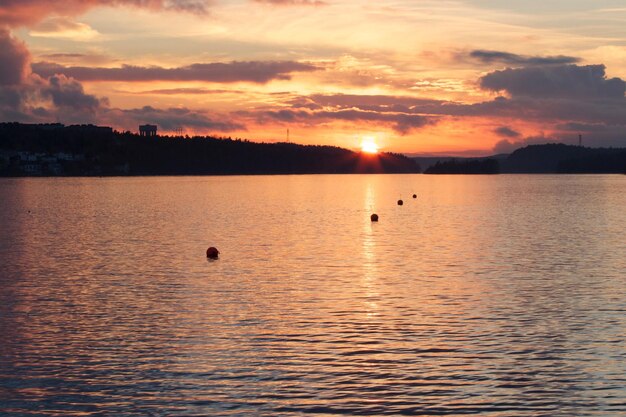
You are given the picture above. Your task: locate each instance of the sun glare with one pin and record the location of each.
(368, 145)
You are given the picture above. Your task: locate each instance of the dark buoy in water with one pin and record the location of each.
(400, 202)
(212, 253)
(374, 217)
(414, 195)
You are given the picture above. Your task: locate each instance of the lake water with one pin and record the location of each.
(490, 295)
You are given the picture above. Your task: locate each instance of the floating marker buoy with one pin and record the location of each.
(400, 202)
(212, 253)
(414, 195)
(374, 217)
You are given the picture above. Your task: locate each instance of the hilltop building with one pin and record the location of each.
(148, 131)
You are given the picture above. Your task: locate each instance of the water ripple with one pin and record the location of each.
(496, 296)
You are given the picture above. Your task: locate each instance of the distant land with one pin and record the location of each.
(88, 150)
(534, 159)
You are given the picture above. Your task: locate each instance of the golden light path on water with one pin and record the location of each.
(489, 295)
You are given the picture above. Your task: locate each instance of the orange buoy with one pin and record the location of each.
(374, 217)
(212, 253)
(414, 195)
(400, 202)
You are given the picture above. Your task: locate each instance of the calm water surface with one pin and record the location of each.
(495, 296)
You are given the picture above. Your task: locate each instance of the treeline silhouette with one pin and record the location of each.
(465, 166)
(567, 159)
(102, 151)
(539, 159)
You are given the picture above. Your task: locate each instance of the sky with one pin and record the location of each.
(463, 77)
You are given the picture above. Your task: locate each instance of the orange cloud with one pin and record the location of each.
(293, 2)
(252, 71)
(28, 12)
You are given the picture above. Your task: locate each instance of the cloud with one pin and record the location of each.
(561, 81)
(64, 28)
(402, 123)
(90, 58)
(540, 110)
(22, 91)
(186, 91)
(405, 114)
(169, 119)
(507, 132)
(507, 58)
(507, 146)
(593, 134)
(14, 59)
(28, 12)
(65, 56)
(68, 93)
(293, 2)
(28, 97)
(259, 72)
(584, 127)
(369, 102)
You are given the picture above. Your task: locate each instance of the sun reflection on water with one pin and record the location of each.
(469, 299)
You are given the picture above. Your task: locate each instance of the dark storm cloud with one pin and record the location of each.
(507, 58)
(562, 81)
(252, 71)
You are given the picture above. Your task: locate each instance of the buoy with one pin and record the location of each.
(374, 217)
(400, 202)
(414, 195)
(212, 253)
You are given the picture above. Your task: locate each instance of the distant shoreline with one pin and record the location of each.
(551, 158)
(304, 174)
(94, 151)
(55, 150)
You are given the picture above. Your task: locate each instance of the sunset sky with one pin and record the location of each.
(466, 77)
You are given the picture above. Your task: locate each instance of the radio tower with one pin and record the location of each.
(580, 140)
(287, 135)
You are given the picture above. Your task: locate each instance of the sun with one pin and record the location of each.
(368, 145)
